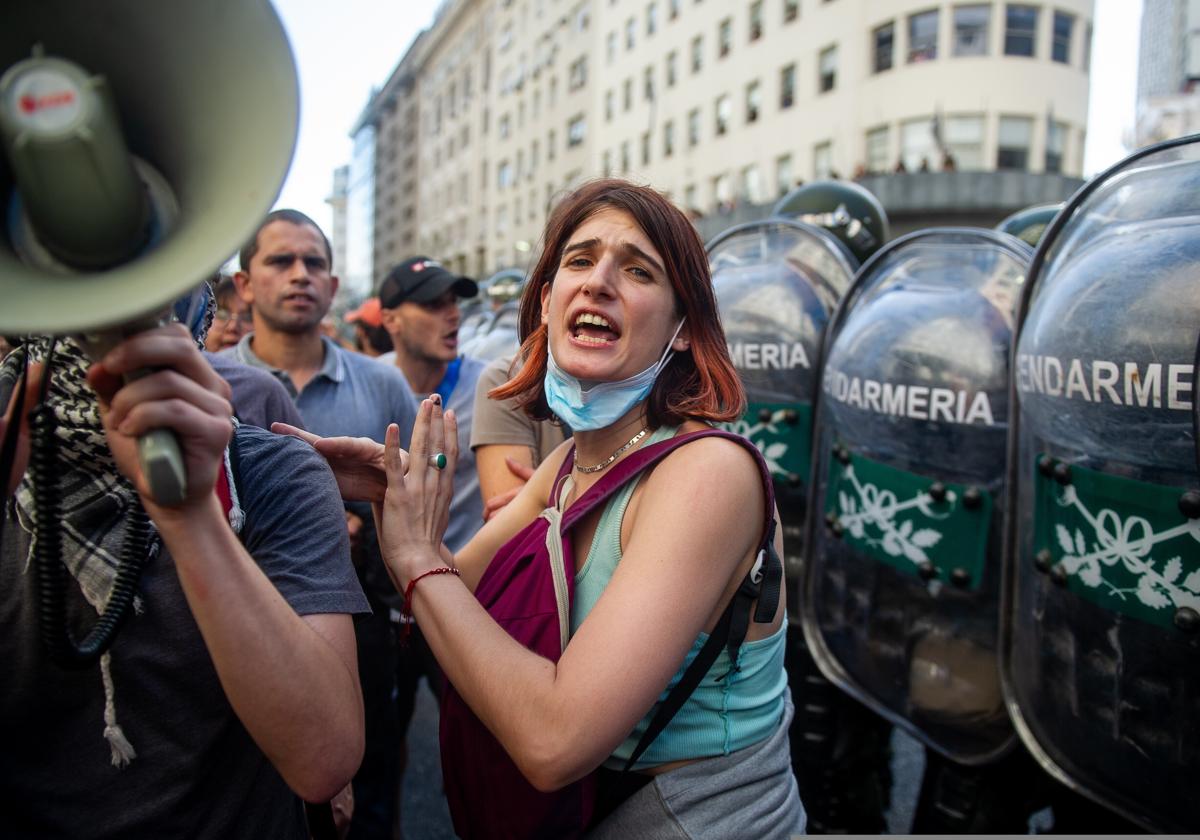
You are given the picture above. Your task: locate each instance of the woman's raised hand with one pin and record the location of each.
(357, 463)
(416, 507)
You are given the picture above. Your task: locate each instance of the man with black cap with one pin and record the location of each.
(419, 300)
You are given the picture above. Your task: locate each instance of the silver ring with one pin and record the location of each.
(438, 461)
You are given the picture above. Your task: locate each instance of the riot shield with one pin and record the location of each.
(1101, 618)
(901, 588)
(777, 283)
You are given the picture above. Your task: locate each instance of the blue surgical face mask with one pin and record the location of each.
(605, 402)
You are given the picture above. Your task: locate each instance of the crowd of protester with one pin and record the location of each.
(367, 494)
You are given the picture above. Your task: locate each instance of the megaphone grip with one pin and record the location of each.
(162, 465)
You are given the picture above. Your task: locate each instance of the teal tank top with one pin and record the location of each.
(720, 716)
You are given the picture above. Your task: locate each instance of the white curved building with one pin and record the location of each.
(726, 101)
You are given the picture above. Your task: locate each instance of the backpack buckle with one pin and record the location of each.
(756, 571)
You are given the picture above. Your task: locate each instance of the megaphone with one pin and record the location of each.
(142, 143)
(145, 141)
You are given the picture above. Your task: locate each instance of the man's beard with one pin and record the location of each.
(295, 324)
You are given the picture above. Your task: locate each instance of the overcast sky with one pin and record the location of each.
(343, 48)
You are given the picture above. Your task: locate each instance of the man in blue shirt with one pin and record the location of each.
(287, 277)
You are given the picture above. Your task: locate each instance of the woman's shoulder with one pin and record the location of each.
(712, 461)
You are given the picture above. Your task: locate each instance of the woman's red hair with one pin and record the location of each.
(697, 384)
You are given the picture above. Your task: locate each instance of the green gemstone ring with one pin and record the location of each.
(437, 461)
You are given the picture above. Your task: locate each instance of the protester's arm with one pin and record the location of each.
(291, 680)
(684, 557)
(503, 471)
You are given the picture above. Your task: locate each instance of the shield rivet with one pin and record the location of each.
(794, 480)
(972, 498)
(837, 530)
(1046, 466)
(791, 417)
(927, 570)
(960, 578)
(830, 518)
(842, 454)
(1189, 504)
(1043, 561)
(1187, 619)
(1062, 473)
(937, 491)
(764, 415)
(1058, 575)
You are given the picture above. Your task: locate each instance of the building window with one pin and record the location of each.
(648, 83)
(672, 9)
(607, 163)
(1020, 30)
(922, 36)
(576, 130)
(1064, 25)
(787, 87)
(627, 94)
(697, 54)
(646, 149)
(694, 127)
(784, 174)
(578, 73)
(630, 33)
(971, 25)
(827, 70)
(724, 37)
(756, 20)
(724, 112)
(672, 67)
(791, 10)
(753, 101)
(877, 150)
(917, 145)
(722, 189)
(504, 176)
(505, 127)
(609, 101)
(1087, 49)
(668, 138)
(1056, 144)
(752, 190)
(611, 48)
(885, 42)
(963, 140)
(689, 197)
(823, 160)
(651, 19)
(550, 145)
(624, 157)
(1012, 143)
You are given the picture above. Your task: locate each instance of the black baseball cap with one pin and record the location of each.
(420, 280)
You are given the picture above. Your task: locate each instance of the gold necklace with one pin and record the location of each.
(613, 456)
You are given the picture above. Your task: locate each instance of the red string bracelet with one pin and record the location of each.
(406, 612)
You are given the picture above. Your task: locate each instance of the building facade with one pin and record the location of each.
(1168, 104)
(726, 102)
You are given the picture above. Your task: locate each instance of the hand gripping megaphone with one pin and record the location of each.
(144, 142)
(141, 142)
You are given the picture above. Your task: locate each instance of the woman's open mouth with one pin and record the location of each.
(593, 328)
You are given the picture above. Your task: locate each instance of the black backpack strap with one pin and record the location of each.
(763, 582)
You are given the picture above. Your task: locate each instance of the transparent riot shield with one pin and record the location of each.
(1101, 620)
(777, 284)
(902, 584)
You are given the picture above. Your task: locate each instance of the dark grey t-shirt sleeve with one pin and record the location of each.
(295, 527)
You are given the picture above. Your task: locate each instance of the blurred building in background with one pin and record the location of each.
(1168, 102)
(953, 112)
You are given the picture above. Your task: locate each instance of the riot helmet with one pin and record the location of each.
(1101, 632)
(902, 580)
(1029, 224)
(850, 212)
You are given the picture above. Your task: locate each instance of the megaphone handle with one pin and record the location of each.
(162, 465)
(162, 461)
